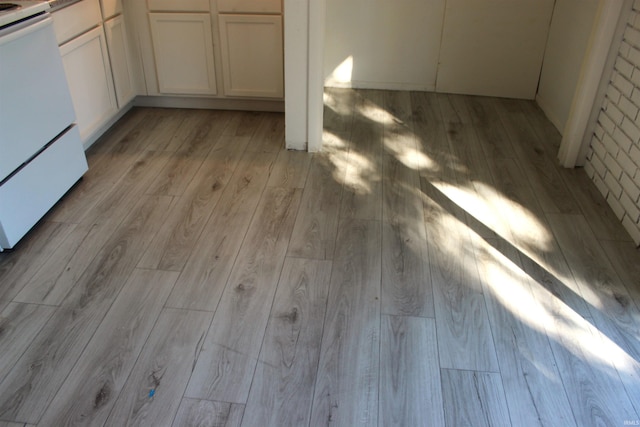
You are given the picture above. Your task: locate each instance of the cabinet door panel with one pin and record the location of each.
(183, 48)
(179, 6)
(86, 65)
(252, 56)
(250, 6)
(111, 8)
(123, 77)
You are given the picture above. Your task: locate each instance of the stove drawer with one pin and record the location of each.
(27, 195)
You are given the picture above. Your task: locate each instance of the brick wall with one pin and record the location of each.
(613, 162)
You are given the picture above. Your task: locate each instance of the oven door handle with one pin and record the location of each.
(29, 26)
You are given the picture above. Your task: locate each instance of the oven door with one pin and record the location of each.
(35, 105)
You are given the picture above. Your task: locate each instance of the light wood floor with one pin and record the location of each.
(432, 266)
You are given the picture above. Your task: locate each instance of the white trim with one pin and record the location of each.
(362, 84)
(593, 66)
(315, 106)
(296, 35)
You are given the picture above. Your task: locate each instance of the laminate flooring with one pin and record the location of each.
(432, 266)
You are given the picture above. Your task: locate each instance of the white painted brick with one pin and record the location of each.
(615, 206)
(634, 153)
(626, 163)
(627, 107)
(629, 127)
(598, 148)
(599, 166)
(630, 187)
(634, 20)
(621, 140)
(621, 82)
(636, 5)
(613, 94)
(624, 67)
(635, 95)
(607, 123)
(632, 229)
(625, 49)
(615, 171)
(630, 207)
(589, 170)
(614, 113)
(601, 186)
(598, 131)
(632, 36)
(635, 77)
(615, 189)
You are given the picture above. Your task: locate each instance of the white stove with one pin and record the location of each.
(13, 11)
(41, 154)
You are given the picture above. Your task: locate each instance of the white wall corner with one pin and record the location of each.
(296, 36)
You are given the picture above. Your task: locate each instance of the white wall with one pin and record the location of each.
(568, 39)
(613, 161)
(385, 44)
(488, 47)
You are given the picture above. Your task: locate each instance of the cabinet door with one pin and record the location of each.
(86, 64)
(183, 48)
(252, 56)
(250, 6)
(123, 77)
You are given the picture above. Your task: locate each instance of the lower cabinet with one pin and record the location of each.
(252, 55)
(183, 49)
(123, 74)
(86, 63)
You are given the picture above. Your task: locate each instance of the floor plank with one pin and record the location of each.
(151, 396)
(205, 274)
(225, 368)
(206, 413)
(290, 169)
(29, 388)
(172, 246)
(533, 386)
(473, 399)
(346, 390)
(282, 388)
(19, 325)
(316, 224)
(90, 390)
(409, 374)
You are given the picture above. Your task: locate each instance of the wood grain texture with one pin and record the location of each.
(464, 333)
(90, 390)
(19, 325)
(29, 388)
(290, 169)
(19, 266)
(614, 313)
(198, 133)
(346, 390)
(206, 413)
(205, 274)
(225, 368)
(172, 246)
(409, 373)
(152, 393)
(317, 222)
(362, 190)
(536, 161)
(625, 259)
(282, 388)
(65, 267)
(269, 135)
(533, 386)
(473, 399)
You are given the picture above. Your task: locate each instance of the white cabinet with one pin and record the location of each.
(250, 6)
(121, 65)
(252, 55)
(86, 64)
(183, 48)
